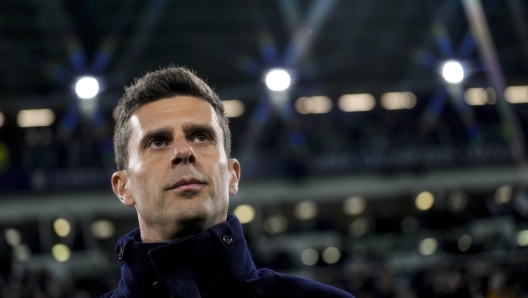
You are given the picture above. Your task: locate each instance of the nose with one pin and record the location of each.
(183, 153)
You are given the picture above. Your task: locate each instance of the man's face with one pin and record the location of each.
(178, 175)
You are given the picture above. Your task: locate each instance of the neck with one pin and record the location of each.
(168, 233)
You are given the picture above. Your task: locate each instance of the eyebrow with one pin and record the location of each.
(159, 132)
(167, 131)
(193, 127)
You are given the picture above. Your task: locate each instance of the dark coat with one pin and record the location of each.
(215, 263)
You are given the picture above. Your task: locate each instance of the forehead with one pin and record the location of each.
(174, 110)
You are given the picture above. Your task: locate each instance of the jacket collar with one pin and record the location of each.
(195, 266)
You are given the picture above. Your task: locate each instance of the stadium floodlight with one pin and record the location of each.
(453, 72)
(87, 87)
(278, 79)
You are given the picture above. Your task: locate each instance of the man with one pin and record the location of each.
(172, 145)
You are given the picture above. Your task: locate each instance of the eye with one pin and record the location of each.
(201, 137)
(156, 143)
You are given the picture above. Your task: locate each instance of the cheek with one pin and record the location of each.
(221, 175)
(134, 164)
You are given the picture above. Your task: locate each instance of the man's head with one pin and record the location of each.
(163, 83)
(172, 151)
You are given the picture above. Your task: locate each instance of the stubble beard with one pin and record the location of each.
(171, 219)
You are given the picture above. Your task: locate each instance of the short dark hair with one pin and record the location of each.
(164, 83)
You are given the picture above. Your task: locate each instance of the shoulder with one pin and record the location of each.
(272, 284)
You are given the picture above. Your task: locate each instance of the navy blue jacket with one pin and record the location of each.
(215, 263)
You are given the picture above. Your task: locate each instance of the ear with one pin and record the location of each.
(234, 171)
(119, 183)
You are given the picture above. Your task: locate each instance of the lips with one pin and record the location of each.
(187, 183)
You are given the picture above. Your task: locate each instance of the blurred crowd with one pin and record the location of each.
(480, 279)
(44, 284)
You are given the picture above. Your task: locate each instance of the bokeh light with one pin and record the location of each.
(13, 237)
(245, 213)
(424, 200)
(356, 102)
(309, 257)
(61, 252)
(427, 246)
(313, 105)
(35, 118)
(305, 210)
(233, 108)
(102, 229)
(62, 227)
(516, 94)
(503, 194)
(398, 100)
(276, 224)
(475, 96)
(360, 226)
(522, 238)
(331, 255)
(464, 243)
(354, 205)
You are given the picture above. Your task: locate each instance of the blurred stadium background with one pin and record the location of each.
(380, 169)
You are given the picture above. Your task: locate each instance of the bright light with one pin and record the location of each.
(409, 224)
(278, 80)
(61, 227)
(522, 238)
(233, 108)
(103, 229)
(464, 243)
(398, 100)
(331, 255)
(34, 118)
(305, 210)
(356, 102)
(453, 72)
(354, 205)
(313, 105)
(61, 252)
(516, 94)
(276, 224)
(87, 87)
(427, 246)
(424, 201)
(245, 213)
(309, 257)
(2, 119)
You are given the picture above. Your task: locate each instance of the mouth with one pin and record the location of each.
(187, 184)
